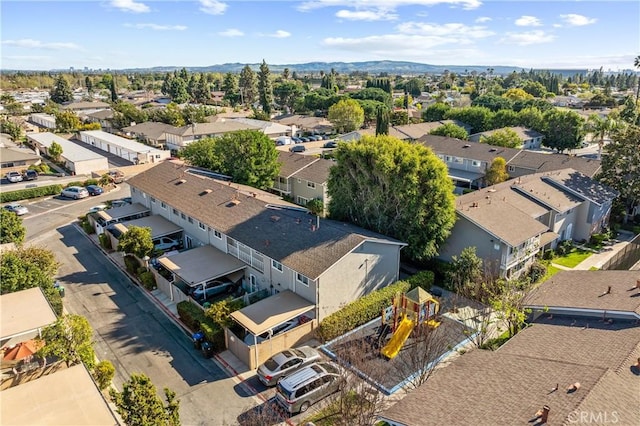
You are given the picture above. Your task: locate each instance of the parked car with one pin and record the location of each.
(97, 208)
(212, 288)
(330, 144)
(14, 177)
(286, 362)
(116, 176)
(296, 140)
(16, 208)
(30, 175)
(297, 392)
(75, 192)
(121, 202)
(305, 139)
(166, 243)
(298, 148)
(94, 190)
(280, 328)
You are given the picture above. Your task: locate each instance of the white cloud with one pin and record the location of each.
(231, 32)
(528, 21)
(28, 43)
(130, 6)
(483, 19)
(157, 27)
(367, 15)
(527, 38)
(280, 34)
(385, 4)
(213, 7)
(457, 30)
(575, 20)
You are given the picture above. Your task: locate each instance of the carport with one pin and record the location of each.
(202, 264)
(104, 218)
(266, 314)
(160, 227)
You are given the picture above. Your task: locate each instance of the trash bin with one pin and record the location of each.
(198, 338)
(207, 349)
(59, 287)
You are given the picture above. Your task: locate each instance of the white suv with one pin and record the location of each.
(165, 243)
(75, 192)
(14, 177)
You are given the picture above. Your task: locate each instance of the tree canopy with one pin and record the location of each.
(11, 228)
(69, 339)
(137, 240)
(265, 89)
(502, 137)
(450, 130)
(248, 156)
(347, 115)
(563, 130)
(139, 404)
(497, 171)
(399, 189)
(61, 91)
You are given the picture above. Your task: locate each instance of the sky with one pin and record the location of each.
(118, 34)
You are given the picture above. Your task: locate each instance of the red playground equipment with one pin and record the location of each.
(406, 312)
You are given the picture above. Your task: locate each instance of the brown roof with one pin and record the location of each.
(465, 149)
(317, 172)
(541, 162)
(86, 105)
(586, 188)
(8, 155)
(150, 129)
(285, 234)
(217, 127)
(508, 386)
(585, 289)
(537, 189)
(418, 130)
(291, 162)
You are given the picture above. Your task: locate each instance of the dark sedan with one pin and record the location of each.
(94, 190)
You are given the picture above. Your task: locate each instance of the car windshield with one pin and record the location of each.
(271, 364)
(297, 353)
(288, 395)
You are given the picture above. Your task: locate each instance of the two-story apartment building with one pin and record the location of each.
(179, 137)
(282, 246)
(529, 138)
(302, 177)
(511, 222)
(150, 132)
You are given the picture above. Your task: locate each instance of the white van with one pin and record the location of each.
(284, 140)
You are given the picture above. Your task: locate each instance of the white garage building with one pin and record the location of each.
(128, 149)
(80, 160)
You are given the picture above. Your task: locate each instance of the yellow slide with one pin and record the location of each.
(403, 331)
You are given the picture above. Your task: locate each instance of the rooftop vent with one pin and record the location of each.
(233, 202)
(492, 150)
(205, 192)
(181, 181)
(275, 218)
(466, 145)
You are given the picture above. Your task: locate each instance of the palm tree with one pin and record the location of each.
(601, 127)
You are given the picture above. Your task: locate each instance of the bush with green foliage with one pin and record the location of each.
(536, 272)
(131, 264)
(564, 247)
(103, 373)
(360, 311)
(29, 193)
(599, 239)
(42, 168)
(194, 318)
(424, 279)
(105, 241)
(220, 312)
(548, 254)
(147, 279)
(86, 226)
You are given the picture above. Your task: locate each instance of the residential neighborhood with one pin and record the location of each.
(267, 246)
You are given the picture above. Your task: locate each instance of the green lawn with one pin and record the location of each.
(572, 259)
(551, 271)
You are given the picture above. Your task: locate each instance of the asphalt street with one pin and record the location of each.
(130, 330)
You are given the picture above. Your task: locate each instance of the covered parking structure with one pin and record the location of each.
(160, 227)
(266, 315)
(102, 219)
(200, 266)
(465, 178)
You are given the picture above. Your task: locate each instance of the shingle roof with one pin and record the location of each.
(150, 129)
(585, 289)
(8, 155)
(102, 114)
(540, 190)
(287, 235)
(508, 386)
(465, 149)
(291, 162)
(418, 130)
(541, 162)
(587, 188)
(522, 132)
(86, 105)
(217, 127)
(317, 172)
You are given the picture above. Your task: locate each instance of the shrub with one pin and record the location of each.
(147, 279)
(598, 239)
(103, 372)
(194, 318)
(564, 247)
(90, 182)
(537, 271)
(74, 183)
(42, 168)
(105, 242)
(360, 311)
(548, 255)
(220, 311)
(424, 279)
(131, 263)
(29, 193)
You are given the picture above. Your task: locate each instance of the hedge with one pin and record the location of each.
(26, 194)
(360, 311)
(193, 317)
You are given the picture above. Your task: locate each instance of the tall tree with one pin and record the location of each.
(55, 151)
(346, 116)
(137, 240)
(265, 89)
(230, 88)
(139, 404)
(61, 91)
(247, 86)
(382, 120)
(11, 228)
(435, 112)
(248, 156)
(503, 137)
(12, 129)
(479, 118)
(563, 129)
(450, 130)
(89, 84)
(113, 90)
(636, 63)
(398, 189)
(69, 339)
(497, 172)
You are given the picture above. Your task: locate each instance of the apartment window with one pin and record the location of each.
(182, 216)
(163, 205)
(475, 163)
(190, 219)
(458, 160)
(153, 200)
(217, 234)
(176, 212)
(447, 159)
(276, 265)
(511, 169)
(301, 278)
(202, 226)
(311, 184)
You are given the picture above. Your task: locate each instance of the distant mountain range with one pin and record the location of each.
(371, 67)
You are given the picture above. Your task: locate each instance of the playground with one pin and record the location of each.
(403, 344)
